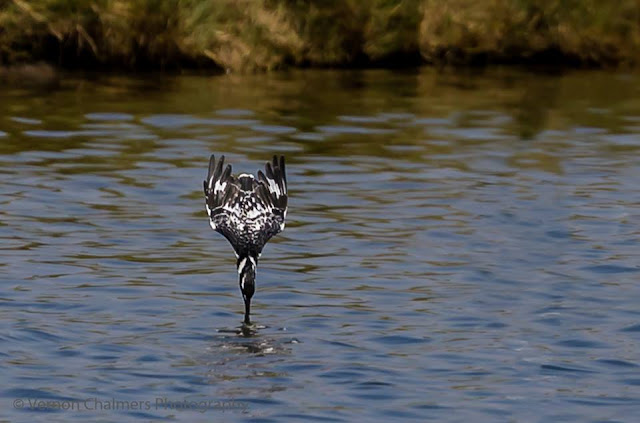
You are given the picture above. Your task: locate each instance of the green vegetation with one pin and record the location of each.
(250, 35)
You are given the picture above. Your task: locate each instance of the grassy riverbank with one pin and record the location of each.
(255, 35)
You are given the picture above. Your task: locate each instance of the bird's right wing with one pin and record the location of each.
(272, 190)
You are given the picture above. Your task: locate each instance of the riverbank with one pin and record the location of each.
(262, 35)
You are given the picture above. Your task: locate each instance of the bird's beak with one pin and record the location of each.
(247, 310)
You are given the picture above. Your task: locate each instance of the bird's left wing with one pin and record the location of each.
(221, 191)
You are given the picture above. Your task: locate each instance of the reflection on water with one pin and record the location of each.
(459, 246)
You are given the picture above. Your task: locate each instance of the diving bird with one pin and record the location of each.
(248, 211)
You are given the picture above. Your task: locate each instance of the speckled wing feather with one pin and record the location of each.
(248, 212)
(218, 188)
(273, 191)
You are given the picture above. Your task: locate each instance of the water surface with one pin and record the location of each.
(460, 246)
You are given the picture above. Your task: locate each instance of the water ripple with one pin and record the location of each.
(458, 247)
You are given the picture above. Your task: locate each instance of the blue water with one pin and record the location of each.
(459, 247)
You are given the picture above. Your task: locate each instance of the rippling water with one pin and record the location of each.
(459, 247)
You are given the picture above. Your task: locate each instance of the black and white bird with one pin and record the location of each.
(248, 211)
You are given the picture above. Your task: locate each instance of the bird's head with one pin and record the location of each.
(247, 279)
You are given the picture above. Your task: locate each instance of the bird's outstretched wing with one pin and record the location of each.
(220, 188)
(247, 212)
(272, 191)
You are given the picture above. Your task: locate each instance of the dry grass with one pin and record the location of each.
(588, 32)
(256, 35)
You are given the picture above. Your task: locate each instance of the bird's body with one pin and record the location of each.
(248, 211)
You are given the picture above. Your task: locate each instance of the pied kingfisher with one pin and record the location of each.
(248, 212)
